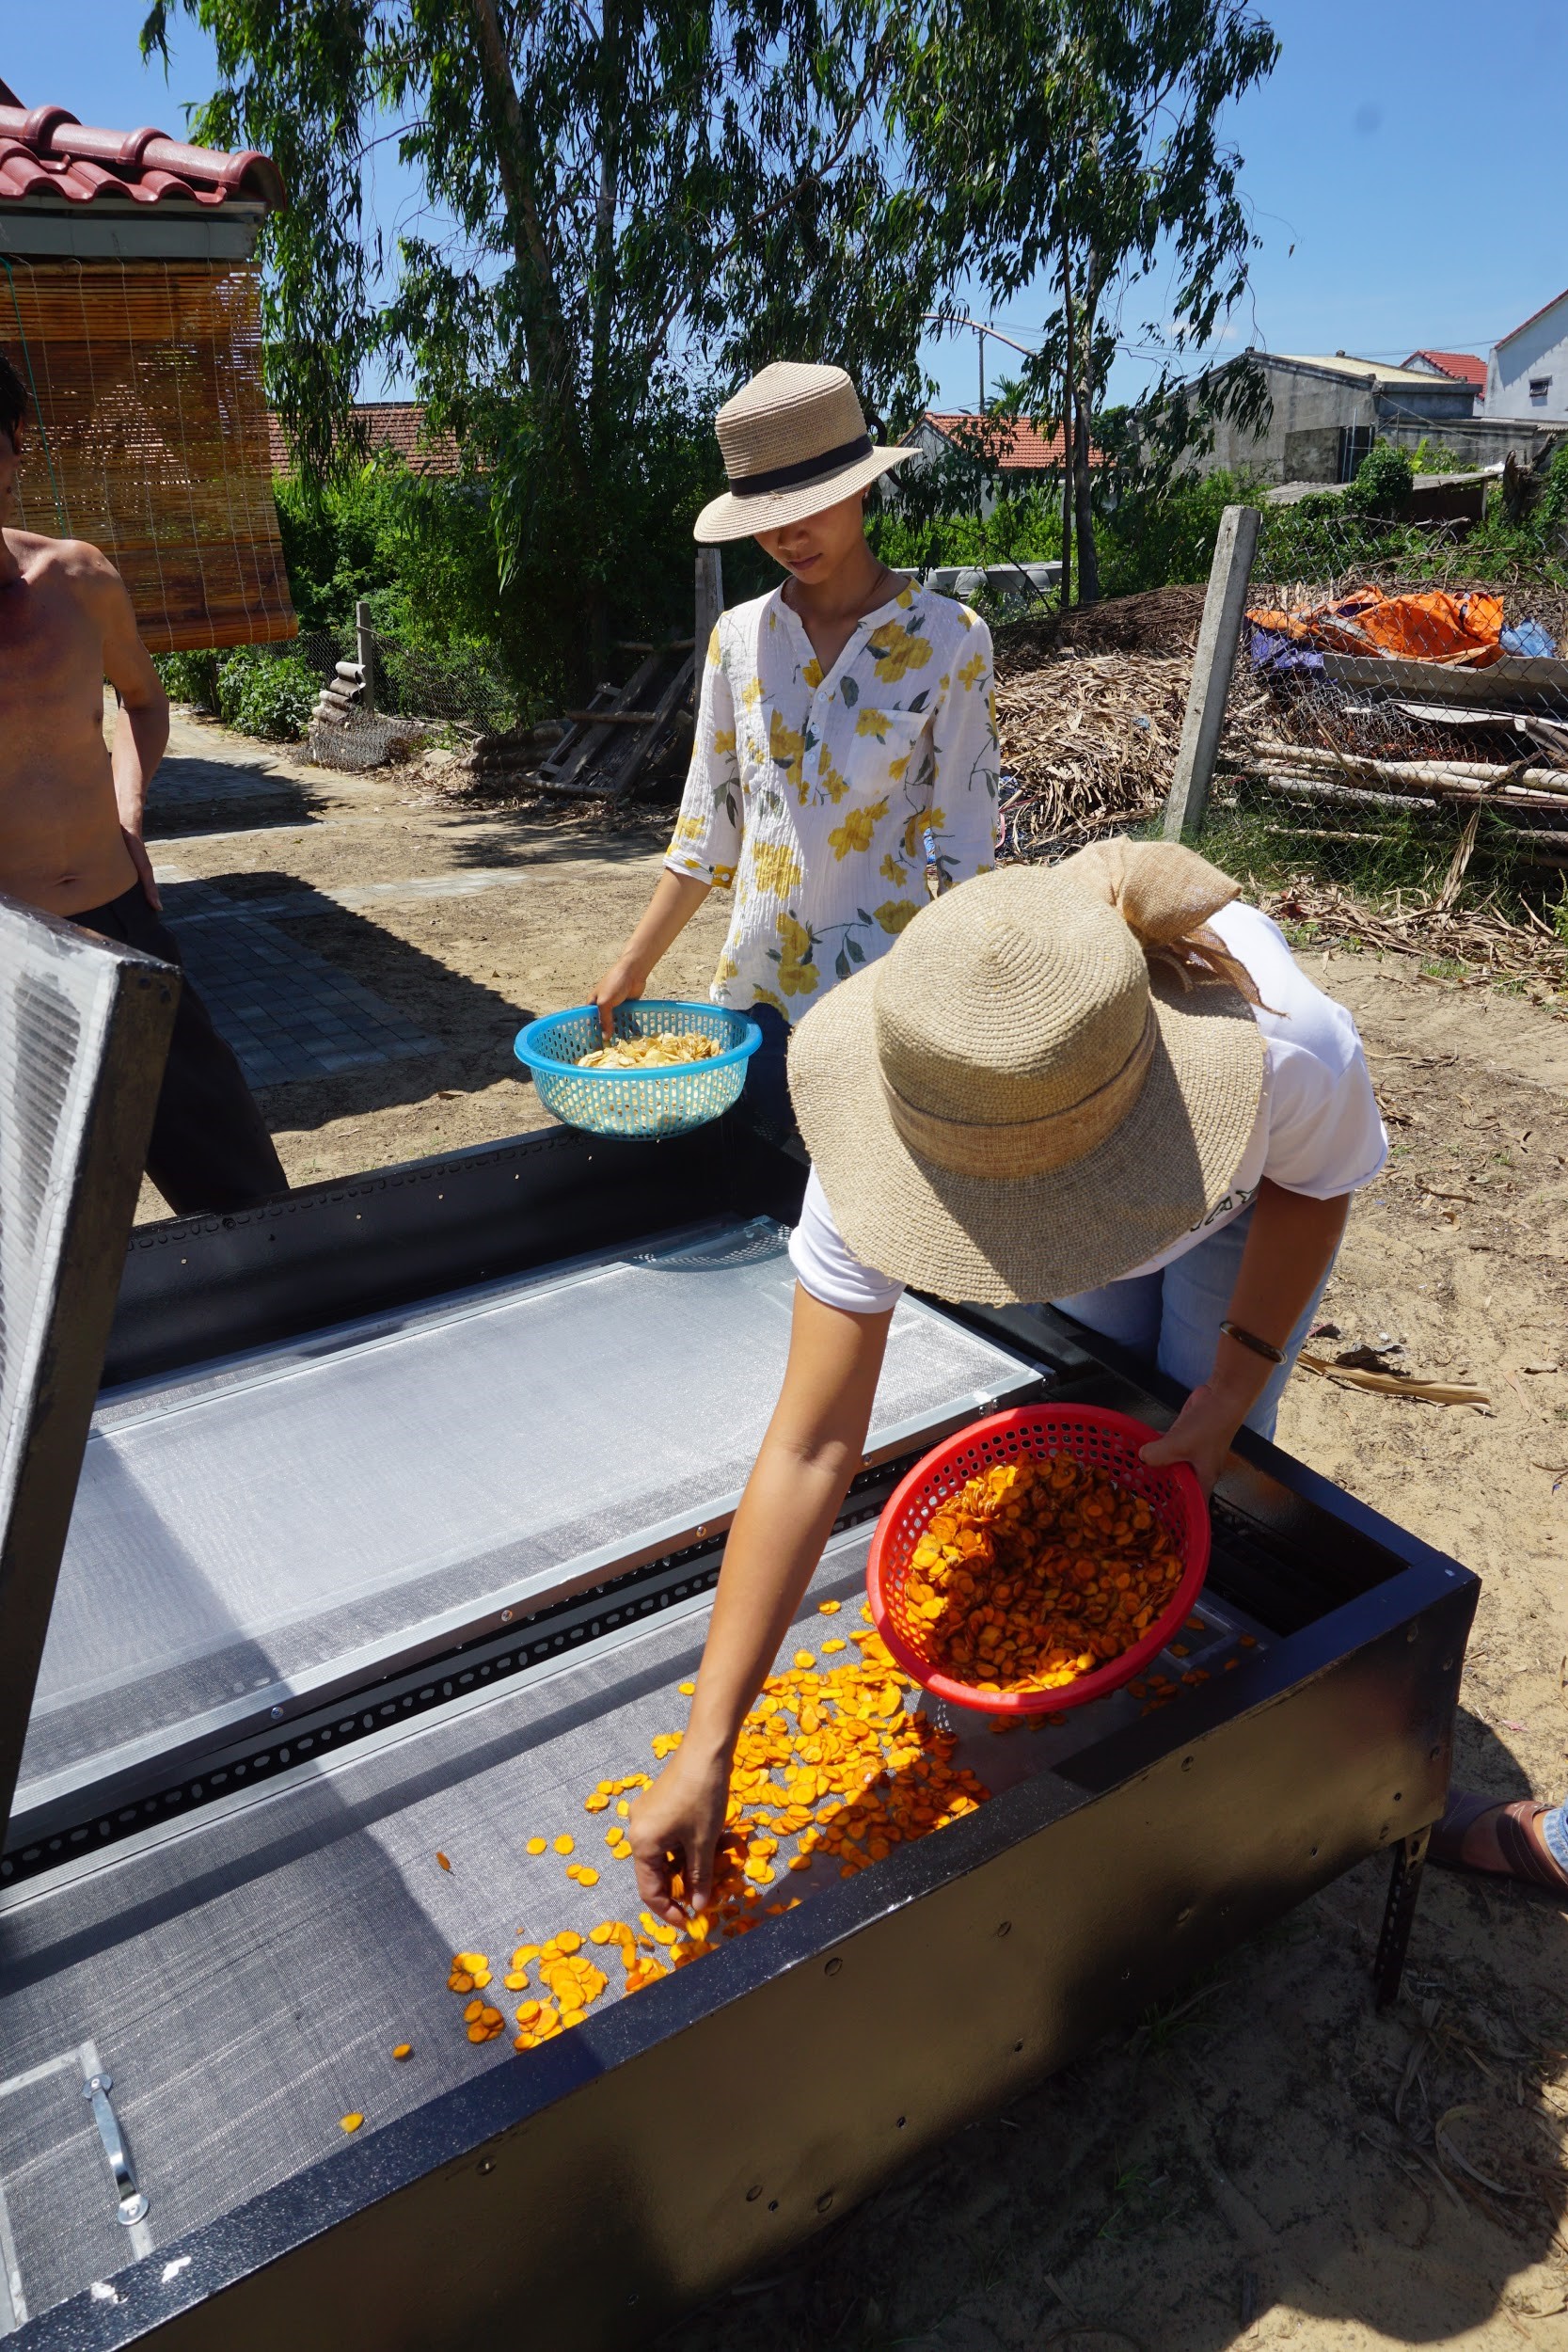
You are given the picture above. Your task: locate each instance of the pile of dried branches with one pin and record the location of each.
(1162, 621)
(1483, 939)
(1088, 741)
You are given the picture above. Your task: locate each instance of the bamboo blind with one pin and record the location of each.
(150, 438)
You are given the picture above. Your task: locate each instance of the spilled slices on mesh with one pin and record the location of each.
(831, 1767)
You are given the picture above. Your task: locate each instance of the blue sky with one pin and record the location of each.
(1404, 167)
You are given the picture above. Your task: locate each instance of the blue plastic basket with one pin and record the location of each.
(638, 1101)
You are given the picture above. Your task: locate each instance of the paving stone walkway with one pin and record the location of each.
(286, 1012)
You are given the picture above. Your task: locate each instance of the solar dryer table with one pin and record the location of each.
(394, 1532)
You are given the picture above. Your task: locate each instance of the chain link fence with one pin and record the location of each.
(1396, 729)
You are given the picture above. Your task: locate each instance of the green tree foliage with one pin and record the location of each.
(1105, 163)
(620, 190)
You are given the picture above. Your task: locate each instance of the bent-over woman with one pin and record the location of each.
(1107, 1084)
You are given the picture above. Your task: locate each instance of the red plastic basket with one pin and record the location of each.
(1105, 1441)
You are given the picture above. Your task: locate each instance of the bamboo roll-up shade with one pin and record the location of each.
(150, 438)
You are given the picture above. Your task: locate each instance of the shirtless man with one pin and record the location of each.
(71, 821)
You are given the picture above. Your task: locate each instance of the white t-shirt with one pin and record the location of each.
(1316, 1132)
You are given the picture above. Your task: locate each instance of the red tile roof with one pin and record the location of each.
(396, 426)
(1462, 365)
(1018, 447)
(48, 154)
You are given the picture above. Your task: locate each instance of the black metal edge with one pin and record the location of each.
(101, 1201)
(199, 1287)
(985, 1876)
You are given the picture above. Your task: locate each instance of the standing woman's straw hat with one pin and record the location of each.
(795, 441)
(1048, 1078)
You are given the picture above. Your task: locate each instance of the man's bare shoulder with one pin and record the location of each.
(74, 563)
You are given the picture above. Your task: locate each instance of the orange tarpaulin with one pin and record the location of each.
(1462, 631)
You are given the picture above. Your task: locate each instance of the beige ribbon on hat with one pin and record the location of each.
(1164, 895)
(1027, 1147)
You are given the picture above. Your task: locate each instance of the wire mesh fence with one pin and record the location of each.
(1397, 722)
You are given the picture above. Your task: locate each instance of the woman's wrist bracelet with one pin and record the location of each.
(1250, 1339)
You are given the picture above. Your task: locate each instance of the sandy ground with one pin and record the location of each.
(1232, 2172)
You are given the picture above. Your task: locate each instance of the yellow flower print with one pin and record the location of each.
(895, 914)
(785, 748)
(713, 649)
(726, 969)
(829, 778)
(722, 877)
(723, 740)
(858, 829)
(897, 649)
(872, 722)
(797, 977)
(892, 871)
(915, 849)
(751, 694)
(812, 675)
(776, 869)
(689, 829)
(904, 597)
(896, 769)
(971, 672)
(966, 616)
(765, 996)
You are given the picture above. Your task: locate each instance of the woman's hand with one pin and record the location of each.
(627, 976)
(674, 1827)
(675, 901)
(1201, 1434)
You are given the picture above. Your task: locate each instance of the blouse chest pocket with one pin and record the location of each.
(885, 747)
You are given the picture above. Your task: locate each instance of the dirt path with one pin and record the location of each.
(1231, 2173)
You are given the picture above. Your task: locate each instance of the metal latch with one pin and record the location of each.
(132, 2204)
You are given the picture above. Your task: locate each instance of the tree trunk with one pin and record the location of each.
(1089, 567)
(1070, 372)
(1089, 564)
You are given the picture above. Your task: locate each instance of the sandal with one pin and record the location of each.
(1524, 1858)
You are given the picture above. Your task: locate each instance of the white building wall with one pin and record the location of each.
(1536, 352)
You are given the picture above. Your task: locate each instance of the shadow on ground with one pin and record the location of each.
(469, 1026)
(1266, 2159)
(192, 795)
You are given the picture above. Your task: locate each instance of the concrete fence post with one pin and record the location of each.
(710, 602)
(366, 637)
(1219, 635)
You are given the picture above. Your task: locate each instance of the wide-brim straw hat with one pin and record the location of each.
(795, 440)
(1052, 1076)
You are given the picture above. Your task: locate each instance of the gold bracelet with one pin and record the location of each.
(1251, 1339)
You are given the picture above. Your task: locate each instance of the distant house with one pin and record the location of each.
(395, 427)
(1324, 411)
(1461, 367)
(1526, 374)
(1014, 453)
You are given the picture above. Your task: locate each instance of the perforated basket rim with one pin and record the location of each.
(530, 1053)
(1194, 1535)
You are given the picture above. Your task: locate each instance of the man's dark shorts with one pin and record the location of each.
(210, 1148)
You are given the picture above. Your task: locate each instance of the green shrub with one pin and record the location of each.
(266, 695)
(190, 677)
(1382, 485)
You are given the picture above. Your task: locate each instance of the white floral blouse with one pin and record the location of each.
(822, 799)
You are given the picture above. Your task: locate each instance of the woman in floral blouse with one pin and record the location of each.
(846, 736)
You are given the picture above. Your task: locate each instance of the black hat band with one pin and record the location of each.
(807, 469)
